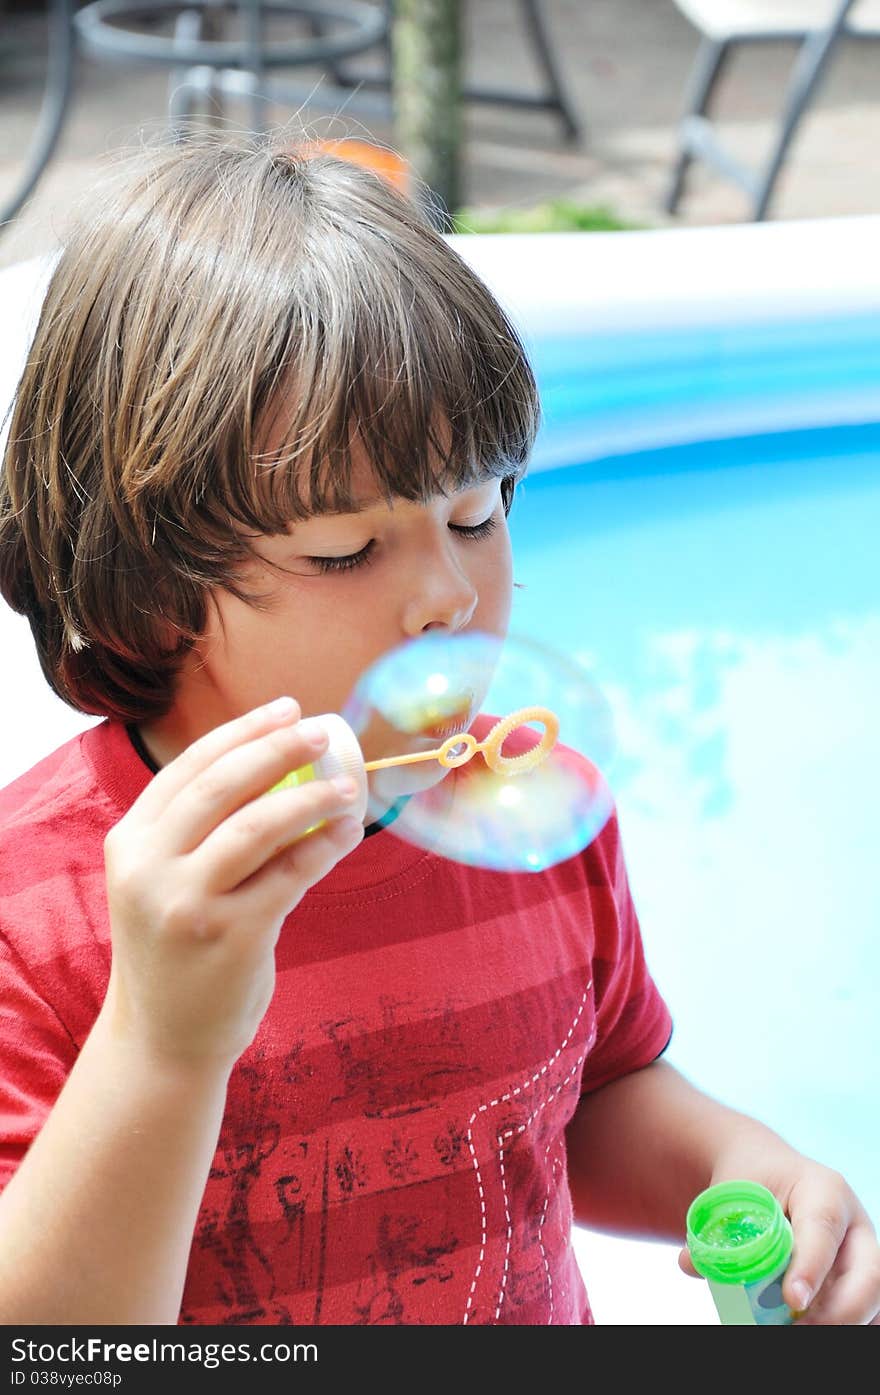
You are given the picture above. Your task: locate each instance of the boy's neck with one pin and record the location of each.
(160, 751)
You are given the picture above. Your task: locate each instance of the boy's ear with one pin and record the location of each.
(167, 633)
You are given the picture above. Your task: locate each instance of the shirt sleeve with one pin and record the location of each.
(36, 1056)
(633, 1022)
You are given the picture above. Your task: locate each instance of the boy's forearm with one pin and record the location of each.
(641, 1148)
(97, 1223)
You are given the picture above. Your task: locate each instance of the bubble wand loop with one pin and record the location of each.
(451, 755)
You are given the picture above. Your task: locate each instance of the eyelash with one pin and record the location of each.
(365, 556)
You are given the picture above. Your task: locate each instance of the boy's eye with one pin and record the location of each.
(476, 530)
(365, 556)
(344, 564)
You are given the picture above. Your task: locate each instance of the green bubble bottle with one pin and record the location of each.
(740, 1240)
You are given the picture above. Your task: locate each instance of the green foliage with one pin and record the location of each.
(557, 215)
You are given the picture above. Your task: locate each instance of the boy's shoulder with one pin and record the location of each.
(53, 817)
(53, 783)
(54, 931)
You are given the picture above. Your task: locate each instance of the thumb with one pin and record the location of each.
(685, 1265)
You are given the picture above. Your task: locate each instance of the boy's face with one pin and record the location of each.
(359, 584)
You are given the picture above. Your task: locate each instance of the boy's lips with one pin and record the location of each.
(454, 727)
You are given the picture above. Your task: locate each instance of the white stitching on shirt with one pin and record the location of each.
(512, 1133)
(503, 1099)
(556, 1165)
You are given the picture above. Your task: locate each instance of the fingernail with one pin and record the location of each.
(345, 786)
(281, 707)
(312, 732)
(802, 1294)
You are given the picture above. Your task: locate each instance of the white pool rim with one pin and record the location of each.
(659, 326)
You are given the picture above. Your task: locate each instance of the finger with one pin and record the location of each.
(820, 1218)
(270, 895)
(253, 836)
(850, 1295)
(231, 782)
(180, 772)
(313, 857)
(685, 1263)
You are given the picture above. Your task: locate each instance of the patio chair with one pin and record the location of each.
(206, 65)
(816, 25)
(53, 109)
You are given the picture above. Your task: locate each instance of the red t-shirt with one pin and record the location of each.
(393, 1146)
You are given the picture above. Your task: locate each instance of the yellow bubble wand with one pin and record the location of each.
(459, 749)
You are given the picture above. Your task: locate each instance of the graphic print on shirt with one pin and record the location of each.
(400, 1255)
(555, 1237)
(225, 1228)
(366, 1061)
(380, 1215)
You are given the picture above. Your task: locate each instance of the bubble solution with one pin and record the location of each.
(734, 1228)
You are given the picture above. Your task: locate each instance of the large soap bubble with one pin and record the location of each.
(507, 787)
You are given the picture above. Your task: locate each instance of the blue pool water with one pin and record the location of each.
(726, 596)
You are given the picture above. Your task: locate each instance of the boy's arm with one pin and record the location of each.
(643, 1146)
(97, 1222)
(96, 1225)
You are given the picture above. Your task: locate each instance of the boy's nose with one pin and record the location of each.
(441, 600)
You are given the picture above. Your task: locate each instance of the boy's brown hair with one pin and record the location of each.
(221, 284)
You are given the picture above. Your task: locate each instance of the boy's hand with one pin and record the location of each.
(201, 873)
(834, 1274)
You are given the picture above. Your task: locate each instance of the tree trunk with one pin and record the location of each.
(426, 86)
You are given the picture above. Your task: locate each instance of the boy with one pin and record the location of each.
(271, 427)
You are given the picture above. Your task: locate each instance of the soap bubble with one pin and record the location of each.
(481, 807)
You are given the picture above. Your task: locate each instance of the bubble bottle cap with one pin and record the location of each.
(342, 757)
(737, 1233)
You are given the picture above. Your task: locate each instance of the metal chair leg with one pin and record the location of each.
(711, 60)
(537, 25)
(812, 61)
(252, 16)
(553, 98)
(316, 27)
(59, 86)
(191, 88)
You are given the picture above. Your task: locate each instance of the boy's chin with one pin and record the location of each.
(387, 786)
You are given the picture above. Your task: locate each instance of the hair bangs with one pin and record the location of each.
(420, 368)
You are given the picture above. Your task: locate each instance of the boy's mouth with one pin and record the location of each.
(454, 726)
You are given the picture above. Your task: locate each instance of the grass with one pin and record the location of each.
(556, 215)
